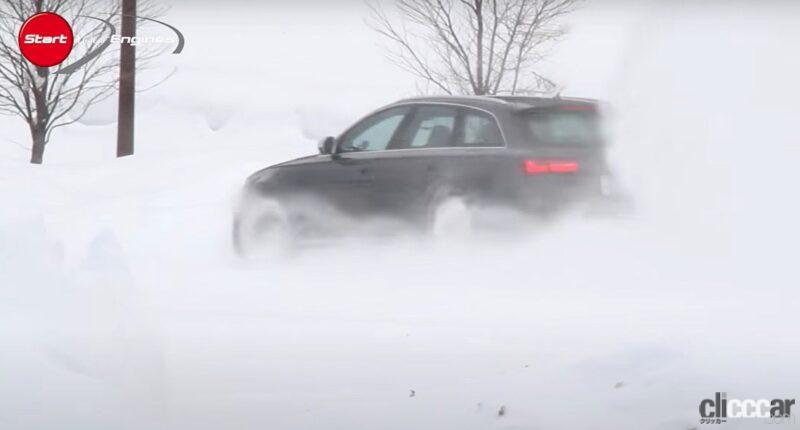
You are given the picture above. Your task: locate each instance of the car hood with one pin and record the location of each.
(265, 173)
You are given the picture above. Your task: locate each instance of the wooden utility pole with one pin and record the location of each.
(127, 81)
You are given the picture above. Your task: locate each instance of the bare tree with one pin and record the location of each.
(479, 47)
(46, 99)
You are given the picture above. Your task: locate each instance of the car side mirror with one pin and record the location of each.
(326, 145)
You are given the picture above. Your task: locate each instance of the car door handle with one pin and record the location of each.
(364, 178)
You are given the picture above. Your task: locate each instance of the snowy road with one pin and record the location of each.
(128, 310)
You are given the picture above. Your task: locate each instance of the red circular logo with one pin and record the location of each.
(46, 39)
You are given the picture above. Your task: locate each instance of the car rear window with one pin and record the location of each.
(564, 126)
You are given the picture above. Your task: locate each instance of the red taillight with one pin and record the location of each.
(543, 167)
(564, 166)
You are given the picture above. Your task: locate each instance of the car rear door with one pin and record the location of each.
(441, 147)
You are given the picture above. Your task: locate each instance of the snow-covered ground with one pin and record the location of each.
(121, 306)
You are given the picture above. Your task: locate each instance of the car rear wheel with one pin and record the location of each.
(450, 218)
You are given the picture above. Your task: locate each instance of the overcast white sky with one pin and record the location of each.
(325, 53)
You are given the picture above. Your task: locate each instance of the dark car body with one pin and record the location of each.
(486, 150)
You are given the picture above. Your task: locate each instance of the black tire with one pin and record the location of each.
(261, 229)
(448, 215)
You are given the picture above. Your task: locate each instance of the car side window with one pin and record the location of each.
(432, 127)
(479, 129)
(374, 133)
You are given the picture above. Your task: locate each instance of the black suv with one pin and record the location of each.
(408, 160)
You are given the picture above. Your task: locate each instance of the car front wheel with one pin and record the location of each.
(261, 229)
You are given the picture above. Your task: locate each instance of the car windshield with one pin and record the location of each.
(564, 126)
